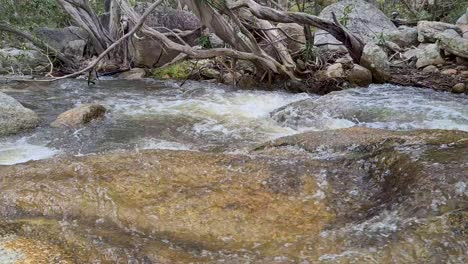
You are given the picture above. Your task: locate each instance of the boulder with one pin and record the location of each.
(458, 88)
(449, 72)
(427, 30)
(216, 42)
(450, 41)
(14, 117)
(376, 60)
(463, 20)
(411, 53)
(230, 78)
(133, 74)
(80, 115)
(25, 61)
(335, 71)
(295, 31)
(464, 29)
(431, 69)
(430, 55)
(71, 40)
(360, 76)
(149, 53)
(404, 37)
(361, 18)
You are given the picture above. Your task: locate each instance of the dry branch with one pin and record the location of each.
(349, 40)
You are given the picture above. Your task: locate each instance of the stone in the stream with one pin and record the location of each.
(428, 30)
(14, 117)
(429, 55)
(323, 193)
(80, 115)
(458, 88)
(452, 42)
(133, 74)
(361, 18)
(335, 71)
(360, 76)
(376, 60)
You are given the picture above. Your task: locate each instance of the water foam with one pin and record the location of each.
(20, 151)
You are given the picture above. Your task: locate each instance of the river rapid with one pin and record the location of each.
(206, 173)
(202, 116)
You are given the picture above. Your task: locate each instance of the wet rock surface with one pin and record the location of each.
(331, 196)
(14, 117)
(80, 115)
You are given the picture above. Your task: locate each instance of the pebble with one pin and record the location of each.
(458, 88)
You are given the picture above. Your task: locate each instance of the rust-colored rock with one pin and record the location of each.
(80, 115)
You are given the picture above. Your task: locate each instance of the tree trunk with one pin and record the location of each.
(350, 41)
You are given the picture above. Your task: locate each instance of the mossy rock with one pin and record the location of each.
(178, 71)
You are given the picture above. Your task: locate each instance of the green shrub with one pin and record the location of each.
(178, 71)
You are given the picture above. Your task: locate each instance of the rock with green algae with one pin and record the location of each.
(334, 196)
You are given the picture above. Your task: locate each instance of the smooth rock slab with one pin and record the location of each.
(284, 199)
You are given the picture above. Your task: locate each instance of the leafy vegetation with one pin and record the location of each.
(178, 71)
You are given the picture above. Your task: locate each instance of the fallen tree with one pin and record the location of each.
(224, 18)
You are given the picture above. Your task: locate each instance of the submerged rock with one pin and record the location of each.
(14, 117)
(381, 194)
(80, 115)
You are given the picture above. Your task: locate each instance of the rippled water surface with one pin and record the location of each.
(203, 116)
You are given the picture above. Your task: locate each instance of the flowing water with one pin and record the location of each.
(203, 116)
(339, 196)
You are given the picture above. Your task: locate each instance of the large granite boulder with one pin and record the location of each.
(71, 40)
(149, 53)
(404, 36)
(25, 61)
(14, 117)
(427, 30)
(296, 32)
(361, 18)
(463, 20)
(453, 43)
